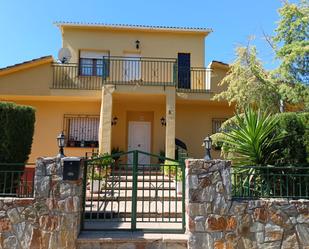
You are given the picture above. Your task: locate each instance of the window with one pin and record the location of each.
(93, 63)
(81, 130)
(216, 124)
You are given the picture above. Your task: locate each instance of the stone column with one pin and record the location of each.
(208, 199)
(49, 220)
(170, 122)
(105, 128)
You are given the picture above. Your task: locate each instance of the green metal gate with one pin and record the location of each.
(121, 191)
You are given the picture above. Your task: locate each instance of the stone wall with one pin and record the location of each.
(51, 219)
(215, 220)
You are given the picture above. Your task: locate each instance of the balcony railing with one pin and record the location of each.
(69, 76)
(130, 71)
(143, 71)
(197, 80)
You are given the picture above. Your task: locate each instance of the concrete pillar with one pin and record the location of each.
(170, 122)
(105, 128)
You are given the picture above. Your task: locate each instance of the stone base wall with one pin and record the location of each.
(50, 220)
(215, 220)
(146, 244)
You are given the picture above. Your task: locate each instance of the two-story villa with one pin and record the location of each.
(125, 86)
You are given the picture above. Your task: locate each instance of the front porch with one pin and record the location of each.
(143, 122)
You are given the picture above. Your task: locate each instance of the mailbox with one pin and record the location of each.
(71, 168)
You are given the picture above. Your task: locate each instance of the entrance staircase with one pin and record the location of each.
(131, 240)
(158, 205)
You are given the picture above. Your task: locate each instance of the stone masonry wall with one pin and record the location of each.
(50, 220)
(215, 220)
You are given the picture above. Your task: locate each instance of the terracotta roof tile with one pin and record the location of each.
(97, 24)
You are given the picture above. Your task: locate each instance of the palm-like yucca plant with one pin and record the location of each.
(250, 140)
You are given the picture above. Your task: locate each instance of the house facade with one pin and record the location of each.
(121, 86)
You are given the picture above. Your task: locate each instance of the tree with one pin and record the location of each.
(292, 42)
(248, 83)
(291, 46)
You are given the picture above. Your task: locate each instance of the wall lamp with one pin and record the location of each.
(163, 121)
(114, 121)
(207, 144)
(61, 144)
(137, 44)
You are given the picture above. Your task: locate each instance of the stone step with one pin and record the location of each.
(166, 188)
(130, 240)
(139, 172)
(102, 197)
(152, 179)
(146, 215)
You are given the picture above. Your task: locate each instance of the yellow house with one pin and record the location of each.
(121, 86)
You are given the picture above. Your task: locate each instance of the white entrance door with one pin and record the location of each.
(132, 67)
(139, 139)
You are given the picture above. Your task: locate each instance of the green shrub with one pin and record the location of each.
(16, 132)
(293, 149)
(251, 139)
(102, 160)
(172, 169)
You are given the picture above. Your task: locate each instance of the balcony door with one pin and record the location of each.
(92, 63)
(132, 67)
(184, 65)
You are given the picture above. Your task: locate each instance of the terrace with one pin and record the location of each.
(131, 71)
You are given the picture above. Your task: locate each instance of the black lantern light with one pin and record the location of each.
(61, 144)
(114, 121)
(207, 143)
(163, 121)
(137, 44)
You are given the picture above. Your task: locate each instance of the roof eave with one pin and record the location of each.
(26, 65)
(204, 31)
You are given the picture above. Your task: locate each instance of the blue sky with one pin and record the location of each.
(27, 29)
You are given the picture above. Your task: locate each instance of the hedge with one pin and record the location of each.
(16, 132)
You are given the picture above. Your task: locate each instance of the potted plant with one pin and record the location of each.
(102, 166)
(97, 182)
(93, 144)
(161, 157)
(116, 152)
(172, 169)
(71, 142)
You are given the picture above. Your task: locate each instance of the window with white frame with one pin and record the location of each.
(216, 124)
(81, 130)
(93, 63)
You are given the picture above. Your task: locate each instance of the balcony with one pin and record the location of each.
(130, 71)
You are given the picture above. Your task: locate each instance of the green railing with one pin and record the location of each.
(270, 182)
(71, 76)
(16, 180)
(197, 80)
(119, 70)
(133, 191)
(140, 70)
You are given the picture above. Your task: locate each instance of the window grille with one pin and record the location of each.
(81, 130)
